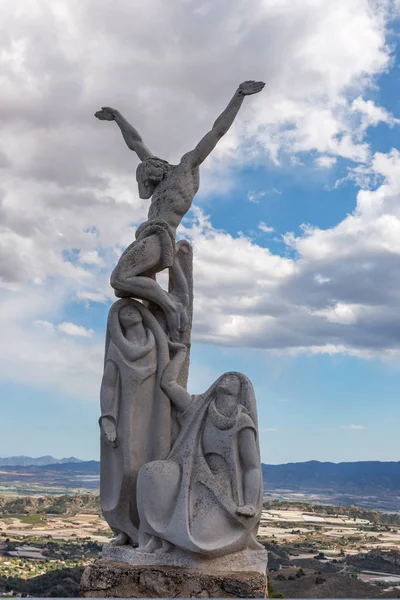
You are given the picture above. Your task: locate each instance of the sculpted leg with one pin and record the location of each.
(132, 277)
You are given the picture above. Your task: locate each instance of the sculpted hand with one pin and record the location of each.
(247, 88)
(106, 113)
(248, 510)
(109, 430)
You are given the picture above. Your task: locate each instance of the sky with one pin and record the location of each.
(295, 228)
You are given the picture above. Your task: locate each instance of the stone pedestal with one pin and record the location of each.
(254, 561)
(105, 579)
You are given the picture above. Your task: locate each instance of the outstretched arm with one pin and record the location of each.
(223, 123)
(130, 134)
(175, 392)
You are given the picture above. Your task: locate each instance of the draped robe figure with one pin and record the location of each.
(135, 411)
(206, 498)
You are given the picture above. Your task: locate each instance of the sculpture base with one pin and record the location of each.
(254, 561)
(104, 579)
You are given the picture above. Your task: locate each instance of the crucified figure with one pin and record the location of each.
(171, 189)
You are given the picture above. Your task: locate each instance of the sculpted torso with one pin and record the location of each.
(173, 197)
(173, 187)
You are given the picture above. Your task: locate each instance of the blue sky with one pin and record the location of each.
(295, 229)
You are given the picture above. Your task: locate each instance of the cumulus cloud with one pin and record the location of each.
(265, 228)
(325, 161)
(73, 329)
(254, 196)
(68, 197)
(34, 351)
(338, 295)
(371, 114)
(65, 327)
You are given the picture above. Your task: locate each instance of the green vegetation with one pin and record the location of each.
(32, 519)
(57, 583)
(49, 505)
(56, 575)
(271, 591)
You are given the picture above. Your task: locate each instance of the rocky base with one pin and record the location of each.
(104, 579)
(237, 562)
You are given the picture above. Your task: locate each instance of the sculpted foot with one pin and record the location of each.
(152, 545)
(121, 540)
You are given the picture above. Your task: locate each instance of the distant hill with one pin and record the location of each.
(346, 477)
(371, 477)
(26, 461)
(86, 466)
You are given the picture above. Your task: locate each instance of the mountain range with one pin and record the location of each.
(367, 477)
(26, 461)
(348, 477)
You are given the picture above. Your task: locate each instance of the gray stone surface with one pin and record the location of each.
(206, 497)
(245, 561)
(115, 580)
(136, 421)
(180, 474)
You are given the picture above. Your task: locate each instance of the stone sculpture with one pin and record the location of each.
(171, 189)
(136, 355)
(206, 497)
(181, 480)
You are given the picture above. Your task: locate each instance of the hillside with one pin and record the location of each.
(352, 477)
(60, 505)
(25, 461)
(326, 586)
(325, 510)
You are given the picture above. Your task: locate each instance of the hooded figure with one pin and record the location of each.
(206, 498)
(135, 412)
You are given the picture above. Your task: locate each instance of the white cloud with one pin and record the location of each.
(75, 330)
(352, 426)
(46, 324)
(67, 175)
(68, 197)
(345, 314)
(90, 257)
(325, 161)
(96, 296)
(264, 227)
(254, 196)
(65, 327)
(34, 352)
(371, 114)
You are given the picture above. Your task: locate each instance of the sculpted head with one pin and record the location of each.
(149, 174)
(229, 385)
(227, 398)
(129, 315)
